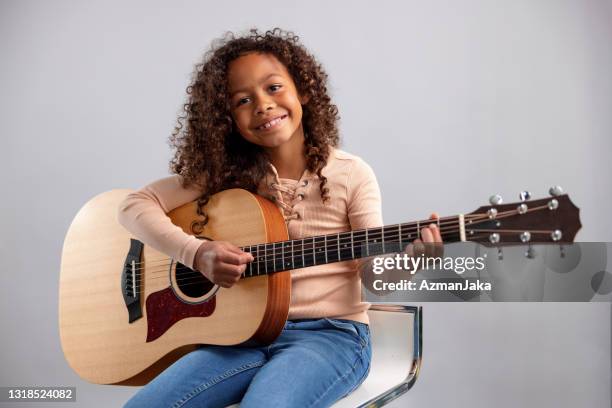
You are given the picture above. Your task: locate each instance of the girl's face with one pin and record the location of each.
(265, 104)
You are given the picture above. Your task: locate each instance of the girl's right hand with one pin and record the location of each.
(221, 262)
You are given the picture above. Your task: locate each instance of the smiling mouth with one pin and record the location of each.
(272, 124)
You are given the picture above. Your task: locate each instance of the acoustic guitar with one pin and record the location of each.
(127, 311)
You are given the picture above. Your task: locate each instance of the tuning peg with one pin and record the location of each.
(525, 195)
(494, 238)
(556, 235)
(525, 236)
(496, 199)
(555, 191)
(530, 252)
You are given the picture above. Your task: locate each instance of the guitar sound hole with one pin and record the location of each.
(192, 283)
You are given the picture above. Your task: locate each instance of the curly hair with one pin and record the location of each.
(210, 153)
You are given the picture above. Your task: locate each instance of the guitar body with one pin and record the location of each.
(177, 313)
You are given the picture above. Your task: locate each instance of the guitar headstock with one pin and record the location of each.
(548, 220)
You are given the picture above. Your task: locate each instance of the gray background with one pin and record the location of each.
(449, 101)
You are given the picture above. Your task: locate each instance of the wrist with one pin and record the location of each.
(198, 254)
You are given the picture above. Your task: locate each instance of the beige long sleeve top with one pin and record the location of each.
(332, 290)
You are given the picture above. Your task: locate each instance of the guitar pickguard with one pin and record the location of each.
(164, 309)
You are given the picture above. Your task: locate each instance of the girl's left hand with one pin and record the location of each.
(430, 243)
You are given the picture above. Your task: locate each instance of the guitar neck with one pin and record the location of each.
(344, 246)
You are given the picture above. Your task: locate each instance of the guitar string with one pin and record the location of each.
(308, 252)
(274, 259)
(415, 226)
(308, 249)
(268, 249)
(411, 229)
(194, 280)
(197, 280)
(395, 235)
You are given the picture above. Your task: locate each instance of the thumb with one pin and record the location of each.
(244, 256)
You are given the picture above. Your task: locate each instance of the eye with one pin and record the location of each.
(275, 87)
(242, 101)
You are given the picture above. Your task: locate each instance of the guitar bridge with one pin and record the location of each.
(131, 280)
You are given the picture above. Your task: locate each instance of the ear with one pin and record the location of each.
(304, 99)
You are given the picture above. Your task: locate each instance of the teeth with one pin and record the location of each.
(271, 123)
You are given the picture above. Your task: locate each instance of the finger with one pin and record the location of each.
(429, 243)
(419, 248)
(229, 257)
(230, 270)
(435, 232)
(434, 216)
(426, 234)
(235, 258)
(438, 248)
(245, 256)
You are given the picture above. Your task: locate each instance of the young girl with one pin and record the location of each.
(259, 117)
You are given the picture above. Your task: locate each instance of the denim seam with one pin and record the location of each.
(216, 380)
(359, 357)
(361, 340)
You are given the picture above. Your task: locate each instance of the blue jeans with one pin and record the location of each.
(313, 363)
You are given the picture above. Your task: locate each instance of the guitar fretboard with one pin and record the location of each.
(344, 246)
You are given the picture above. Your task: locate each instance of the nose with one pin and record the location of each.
(264, 103)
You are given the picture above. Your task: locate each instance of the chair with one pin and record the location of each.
(397, 348)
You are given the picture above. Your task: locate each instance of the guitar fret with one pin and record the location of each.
(367, 243)
(280, 263)
(338, 246)
(287, 263)
(303, 251)
(292, 255)
(352, 246)
(345, 246)
(358, 240)
(383, 239)
(314, 255)
(258, 259)
(399, 240)
(325, 248)
(320, 256)
(250, 263)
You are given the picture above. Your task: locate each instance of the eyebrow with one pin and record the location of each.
(262, 81)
